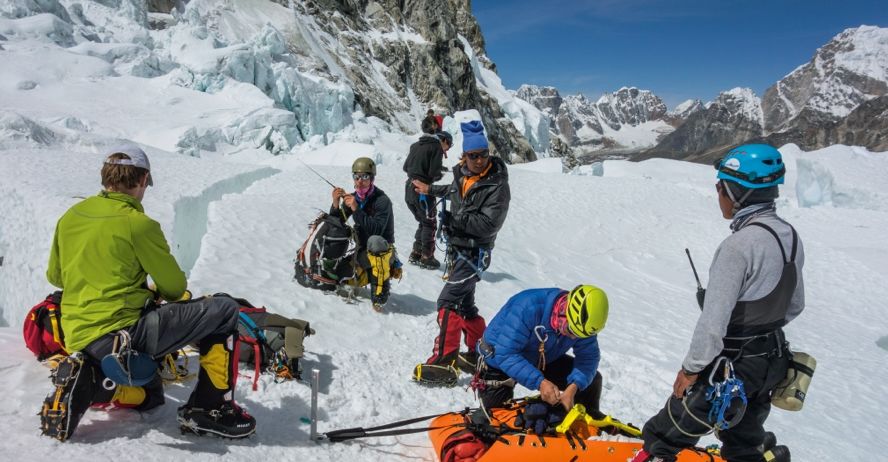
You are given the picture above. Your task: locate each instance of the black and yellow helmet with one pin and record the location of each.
(586, 310)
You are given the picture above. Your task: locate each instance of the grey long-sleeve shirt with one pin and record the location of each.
(746, 266)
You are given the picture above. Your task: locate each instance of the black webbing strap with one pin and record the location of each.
(779, 242)
(336, 436)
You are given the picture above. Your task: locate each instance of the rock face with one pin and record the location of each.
(846, 72)
(733, 118)
(588, 126)
(837, 97)
(393, 54)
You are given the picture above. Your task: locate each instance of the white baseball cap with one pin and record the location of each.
(137, 158)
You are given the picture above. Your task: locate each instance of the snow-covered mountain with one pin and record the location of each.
(627, 119)
(849, 70)
(734, 117)
(837, 97)
(318, 71)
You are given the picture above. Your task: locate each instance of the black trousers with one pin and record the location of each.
(206, 321)
(760, 375)
(555, 372)
(426, 214)
(458, 293)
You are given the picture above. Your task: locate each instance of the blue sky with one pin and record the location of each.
(679, 49)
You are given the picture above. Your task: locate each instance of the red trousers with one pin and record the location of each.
(453, 326)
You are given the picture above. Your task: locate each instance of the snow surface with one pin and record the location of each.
(236, 220)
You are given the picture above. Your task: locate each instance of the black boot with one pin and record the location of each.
(74, 381)
(429, 262)
(467, 361)
(227, 421)
(779, 453)
(211, 409)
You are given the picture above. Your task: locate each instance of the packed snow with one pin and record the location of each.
(236, 215)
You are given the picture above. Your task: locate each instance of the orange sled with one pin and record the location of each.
(455, 439)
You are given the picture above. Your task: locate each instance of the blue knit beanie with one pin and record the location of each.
(473, 136)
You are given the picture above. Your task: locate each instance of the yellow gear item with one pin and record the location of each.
(125, 395)
(381, 265)
(578, 414)
(215, 362)
(586, 311)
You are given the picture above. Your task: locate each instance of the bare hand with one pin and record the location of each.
(549, 392)
(337, 194)
(567, 396)
(350, 201)
(682, 382)
(420, 187)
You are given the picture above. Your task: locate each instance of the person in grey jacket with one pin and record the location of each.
(755, 288)
(479, 202)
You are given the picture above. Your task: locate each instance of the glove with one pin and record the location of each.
(538, 417)
(701, 296)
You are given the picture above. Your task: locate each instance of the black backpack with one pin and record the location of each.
(325, 258)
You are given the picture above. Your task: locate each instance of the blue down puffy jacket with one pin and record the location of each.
(516, 347)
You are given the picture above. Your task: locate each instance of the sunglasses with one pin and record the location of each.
(362, 176)
(477, 155)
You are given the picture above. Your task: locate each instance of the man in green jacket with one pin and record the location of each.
(103, 252)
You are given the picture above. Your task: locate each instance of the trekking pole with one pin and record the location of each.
(701, 292)
(316, 173)
(315, 380)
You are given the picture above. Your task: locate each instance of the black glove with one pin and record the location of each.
(701, 296)
(539, 416)
(447, 222)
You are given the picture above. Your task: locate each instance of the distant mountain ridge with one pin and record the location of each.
(839, 96)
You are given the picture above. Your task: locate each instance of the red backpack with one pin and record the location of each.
(43, 328)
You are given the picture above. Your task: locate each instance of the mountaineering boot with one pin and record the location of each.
(62, 409)
(380, 300)
(444, 375)
(467, 361)
(227, 421)
(211, 407)
(414, 257)
(429, 262)
(416, 253)
(777, 454)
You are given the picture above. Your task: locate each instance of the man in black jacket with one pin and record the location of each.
(424, 164)
(479, 198)
(371, 210)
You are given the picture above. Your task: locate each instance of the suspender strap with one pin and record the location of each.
(779, 242)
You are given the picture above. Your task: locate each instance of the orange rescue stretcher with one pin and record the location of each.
(579, 438)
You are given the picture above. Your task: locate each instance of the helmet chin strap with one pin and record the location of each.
(737, 203)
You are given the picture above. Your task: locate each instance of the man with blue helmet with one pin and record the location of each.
(755, 288)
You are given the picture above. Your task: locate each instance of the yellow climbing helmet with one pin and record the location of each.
(586, 310)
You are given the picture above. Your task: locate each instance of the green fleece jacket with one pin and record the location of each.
(103, 250)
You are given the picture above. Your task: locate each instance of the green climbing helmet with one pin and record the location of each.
(586, 310)
(364, 165)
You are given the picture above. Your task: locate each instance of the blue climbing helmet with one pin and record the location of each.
(753, 166)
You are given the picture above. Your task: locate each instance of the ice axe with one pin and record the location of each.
(701, 292)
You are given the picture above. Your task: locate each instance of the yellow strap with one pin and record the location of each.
(54, 321)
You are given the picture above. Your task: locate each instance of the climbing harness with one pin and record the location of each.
(126, 366)
(721, 396)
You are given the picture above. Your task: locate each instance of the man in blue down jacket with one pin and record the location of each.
(528, 340)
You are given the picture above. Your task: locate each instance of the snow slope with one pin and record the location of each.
(624, 230)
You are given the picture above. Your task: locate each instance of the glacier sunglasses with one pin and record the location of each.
(477, 155)
(362, 176)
